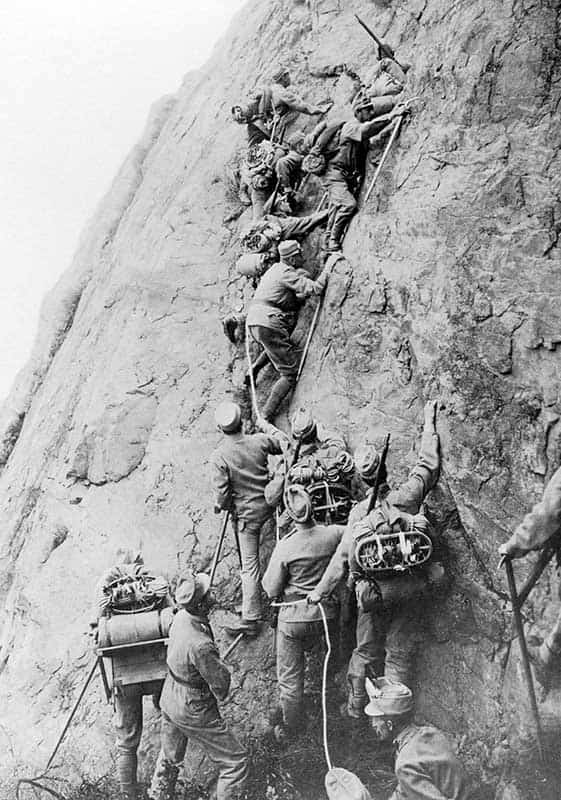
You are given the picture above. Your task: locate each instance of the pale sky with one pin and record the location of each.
(78, 79)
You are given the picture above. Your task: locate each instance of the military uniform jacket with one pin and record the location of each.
(543, 521)
(349, 161)
(280, 293)
(196, 675)
(296, 565)
(426, 767)
(406, 498)
(240, 473)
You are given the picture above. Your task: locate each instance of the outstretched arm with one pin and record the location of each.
(424, 474)
(543, 522)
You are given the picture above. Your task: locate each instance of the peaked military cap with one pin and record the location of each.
(290, 247)
(388, 698)
(192, 588)
(367, 459)
(228, 416)
(302, 424)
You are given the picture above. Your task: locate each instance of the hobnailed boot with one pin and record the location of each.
(279, 391)
(164, 779)
(336, 235)
(357, 698)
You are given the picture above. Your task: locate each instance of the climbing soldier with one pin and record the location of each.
(129, 588)
(426, 766)
(240, 474)
(196, 679)
(264, 235)
(388, 592)
(542, 525)
(296, 566)
(273, 314)
(345, 169)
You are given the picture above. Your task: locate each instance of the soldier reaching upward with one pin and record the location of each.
(240, 474)
(389, 608)
(273, 314)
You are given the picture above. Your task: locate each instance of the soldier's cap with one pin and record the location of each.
(367, 459)
(388, 698)
(360, 101)
(191, 589)
(298, 503)
(340, 784)
(278, 72)
(302, 424)
(228, 416)
(290, 247)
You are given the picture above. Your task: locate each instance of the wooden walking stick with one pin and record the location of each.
(221, 538)
(391, 140)
(309, 338)
(516, 605)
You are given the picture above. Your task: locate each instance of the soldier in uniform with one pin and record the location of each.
(296, 566)
(273, 314)
(128, 587)
(389, 608)
(540, 526)
(239, 476)
(196, 679)
(426, 766)
(345, 169)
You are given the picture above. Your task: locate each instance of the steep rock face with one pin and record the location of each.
(449, 290)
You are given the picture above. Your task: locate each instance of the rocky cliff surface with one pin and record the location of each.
(449, 290)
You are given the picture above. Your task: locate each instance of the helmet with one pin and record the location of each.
(302, 424)
(192, 588)
(367, 460)
(298, 503)
(228, 416)
(388, 697)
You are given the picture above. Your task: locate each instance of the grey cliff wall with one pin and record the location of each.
(450, 289)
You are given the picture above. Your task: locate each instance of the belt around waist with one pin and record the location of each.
(202, 690)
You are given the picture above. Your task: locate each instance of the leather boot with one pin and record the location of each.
(279, 391)
(260, 363)
(164, 779)
(357, 698)
(336, 236)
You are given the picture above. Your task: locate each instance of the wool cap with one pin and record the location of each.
(388, 698)
(228, 416)
(367, 459)
(290, 247)
(192, 588)
(298, 503)
(278, 72)
(302, 424)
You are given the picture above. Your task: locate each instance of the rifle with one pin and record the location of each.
(384, 49)
(381, 465)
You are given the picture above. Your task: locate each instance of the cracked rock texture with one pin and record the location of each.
(451, 288)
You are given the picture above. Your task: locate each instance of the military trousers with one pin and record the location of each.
(342, 206)
(386, 644)
(128, 728)
(249, 532)
(283, 352)
(294, 640)
(218, 743)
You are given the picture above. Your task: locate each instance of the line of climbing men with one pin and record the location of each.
(350, 547)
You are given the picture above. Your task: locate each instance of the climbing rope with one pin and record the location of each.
(324, 674)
